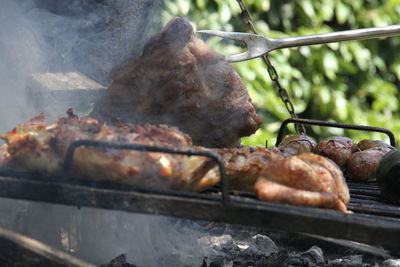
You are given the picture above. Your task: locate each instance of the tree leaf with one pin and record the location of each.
(330, 64)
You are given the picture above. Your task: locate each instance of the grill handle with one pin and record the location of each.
(335, 125)
(146, 148)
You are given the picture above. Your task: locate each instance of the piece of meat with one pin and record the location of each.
(368, 143)
(362, 165)
(244, 164)
(181, 82)
(35, 147)
(364, 161)
(305, 180)
(336, 148)
(3, 155)
(28, 148)
(293, 145)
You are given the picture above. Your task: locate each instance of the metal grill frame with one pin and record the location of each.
(374, 221)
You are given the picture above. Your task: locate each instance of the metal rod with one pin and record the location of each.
(189, 152)
(335, 125)
(371, 229)
(350, 35)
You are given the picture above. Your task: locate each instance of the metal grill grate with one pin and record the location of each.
(374, 221)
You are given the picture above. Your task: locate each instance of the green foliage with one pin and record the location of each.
(352, 82)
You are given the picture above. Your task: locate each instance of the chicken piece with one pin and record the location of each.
(34, 147)
(147, 169)
(181, 82)
(244, 164)
(3, 154)
(28, 148)
(293, 145)
(336, 148)
(305, 180)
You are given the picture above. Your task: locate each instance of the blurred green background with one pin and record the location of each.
(351, 82)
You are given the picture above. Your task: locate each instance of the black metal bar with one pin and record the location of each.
(375, 209)
(21, 250)
(146, 148)
(374, 230)
(335, 125)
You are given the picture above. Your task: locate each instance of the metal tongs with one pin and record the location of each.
(258, 45)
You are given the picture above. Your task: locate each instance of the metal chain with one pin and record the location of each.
(273, 74)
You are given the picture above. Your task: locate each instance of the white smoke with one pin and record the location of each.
(22, 52)
(89, 37)
(98, 236)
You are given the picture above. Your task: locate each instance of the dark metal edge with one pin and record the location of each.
(369, 229)
(335, 125)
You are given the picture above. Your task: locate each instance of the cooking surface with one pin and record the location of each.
(374, 221)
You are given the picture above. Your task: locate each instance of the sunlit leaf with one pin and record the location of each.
(225, 13)
(396, 69)
(330, 64)
(342, 12)
(201, 4)
(184, 6)
(308, 7)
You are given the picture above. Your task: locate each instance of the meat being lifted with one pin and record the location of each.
(181, 82)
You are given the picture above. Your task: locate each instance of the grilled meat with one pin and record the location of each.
(244, 164)
(179, 81)
(363, 163)
(293, 145)
(34, 147)
(306, 180)
(336, 148)
(367, 144)
(29, 148)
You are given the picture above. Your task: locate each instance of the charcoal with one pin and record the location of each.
(391, 263)
(221, 244)
(260, 245)
(119, 261)
(349, 261)
(314, 254)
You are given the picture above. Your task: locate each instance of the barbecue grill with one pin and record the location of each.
(374, 221)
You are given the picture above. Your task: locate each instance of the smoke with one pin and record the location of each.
(21, 53)
(98, 236)
(90, 37)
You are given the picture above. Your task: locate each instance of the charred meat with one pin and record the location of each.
(368, 144)
(363, 163)
(37, 148)
(336, 148)
(305, 180)
(181, 82)
(293, 145)
(244, 164)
